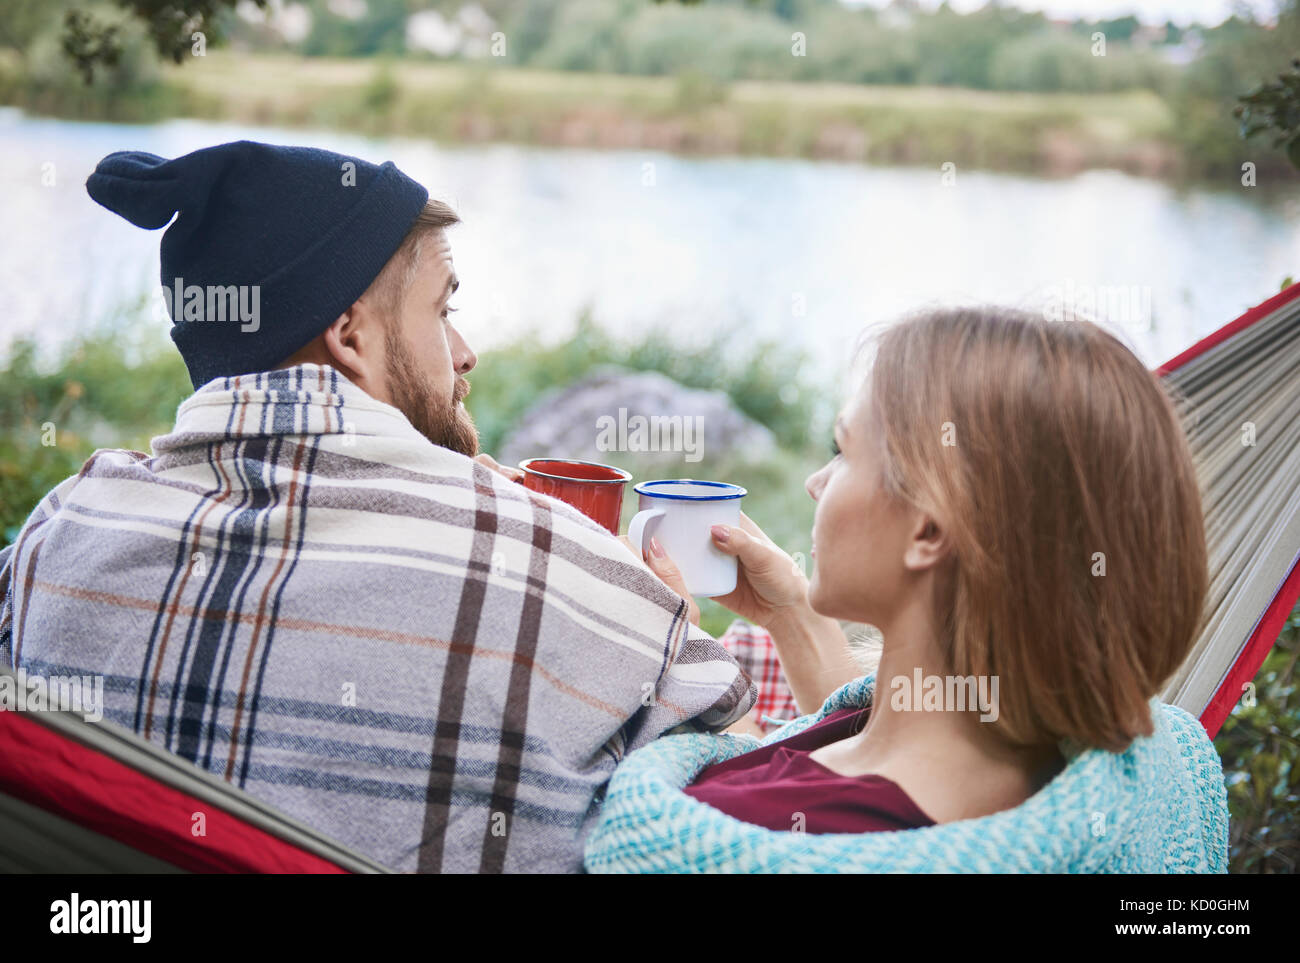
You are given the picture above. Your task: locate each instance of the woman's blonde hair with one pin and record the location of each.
(1058, 466)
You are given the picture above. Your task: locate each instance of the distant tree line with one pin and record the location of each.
(1201, 72)
(994, 48)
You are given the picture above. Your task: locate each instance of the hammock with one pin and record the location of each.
(82, 796)
(1243, 386)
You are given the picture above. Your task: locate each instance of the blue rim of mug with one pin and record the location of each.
(736, 490)
(526, 465)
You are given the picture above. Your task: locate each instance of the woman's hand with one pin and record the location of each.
(668, 573)
(772, 591)
(769, 585)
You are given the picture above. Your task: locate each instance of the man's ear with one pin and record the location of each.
(355, 346)
(928, 545)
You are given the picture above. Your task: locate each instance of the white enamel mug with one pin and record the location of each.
(678, 512)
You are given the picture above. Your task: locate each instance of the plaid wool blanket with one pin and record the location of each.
(379, 636)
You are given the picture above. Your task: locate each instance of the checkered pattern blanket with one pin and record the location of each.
(754, 649)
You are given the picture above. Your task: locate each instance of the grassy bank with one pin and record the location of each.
(689, 113)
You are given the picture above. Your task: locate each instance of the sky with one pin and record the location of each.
(1183, 12)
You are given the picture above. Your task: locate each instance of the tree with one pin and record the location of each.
(1274, 108)
(90, 42)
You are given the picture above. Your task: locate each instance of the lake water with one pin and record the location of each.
(801, 250)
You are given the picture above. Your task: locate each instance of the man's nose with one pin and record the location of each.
(464, 355)
(470, 360)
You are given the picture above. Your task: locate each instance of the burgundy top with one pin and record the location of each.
(769, 785)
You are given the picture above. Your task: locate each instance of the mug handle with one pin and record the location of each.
(636, 527)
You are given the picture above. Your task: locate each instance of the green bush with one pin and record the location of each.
(722, 42)
(114, 387)
(1260, 749)
(1066, 63)
(586, 35)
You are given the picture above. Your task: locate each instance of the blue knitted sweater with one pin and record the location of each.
(1158, 807)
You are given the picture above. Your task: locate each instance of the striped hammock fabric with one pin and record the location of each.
(1242, 389)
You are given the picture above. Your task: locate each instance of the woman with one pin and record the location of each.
(1012, 503)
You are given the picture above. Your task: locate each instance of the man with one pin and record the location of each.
(313, 588)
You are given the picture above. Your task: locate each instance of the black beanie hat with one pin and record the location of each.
(300, 232)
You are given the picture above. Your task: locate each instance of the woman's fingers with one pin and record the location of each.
(770, 572)
(756, 555)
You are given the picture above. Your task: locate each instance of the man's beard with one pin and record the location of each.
(414, 396)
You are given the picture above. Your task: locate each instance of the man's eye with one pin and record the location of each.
(835, 449)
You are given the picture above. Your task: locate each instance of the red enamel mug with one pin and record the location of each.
(595, 490)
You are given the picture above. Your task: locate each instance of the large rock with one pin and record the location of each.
(623, 417)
